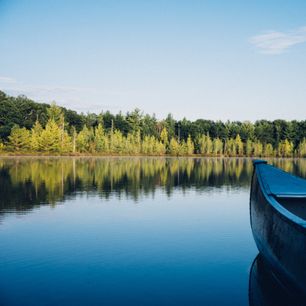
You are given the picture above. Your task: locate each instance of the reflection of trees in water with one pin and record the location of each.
(296, 166)
(26, 182)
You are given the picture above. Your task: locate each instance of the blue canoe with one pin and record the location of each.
(278, 221)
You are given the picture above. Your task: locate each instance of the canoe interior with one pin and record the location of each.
(279, 183)
(297, 206)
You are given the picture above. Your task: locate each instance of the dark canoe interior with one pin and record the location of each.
(297, 206)
(287, 189)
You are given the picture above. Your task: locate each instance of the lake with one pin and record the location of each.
(127, 231)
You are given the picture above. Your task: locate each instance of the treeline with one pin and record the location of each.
(27, 126)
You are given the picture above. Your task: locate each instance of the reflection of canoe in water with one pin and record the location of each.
(265, 289)
(278, 220)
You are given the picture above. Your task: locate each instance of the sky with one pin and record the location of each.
(219, 60)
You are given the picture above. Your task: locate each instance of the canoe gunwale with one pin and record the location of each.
(285, 214)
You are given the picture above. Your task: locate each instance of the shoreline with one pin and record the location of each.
(86, 155)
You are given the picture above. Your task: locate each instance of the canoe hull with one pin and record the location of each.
(281, 242)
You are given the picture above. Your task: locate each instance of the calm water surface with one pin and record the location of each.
(126, 231)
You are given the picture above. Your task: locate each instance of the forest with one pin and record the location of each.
(28, 127)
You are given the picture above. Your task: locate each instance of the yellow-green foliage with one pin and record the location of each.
(302, 148)
(100, 140)
(257, 149)
(189, 146)
(268, 150)
(285, 148)
(230, 147)
(2, 146)
(151, 146)
(217, 146)
(36, 136)
(19, 138)
(205, 144)
(239, 145)
(54, 138)
(164, 136)
(84, 140)
(174, 147)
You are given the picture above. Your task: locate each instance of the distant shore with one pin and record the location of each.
(49, 154)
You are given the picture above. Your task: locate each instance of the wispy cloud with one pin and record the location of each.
(7, 80)
(77, 98)
(44, 93)
(273, 42)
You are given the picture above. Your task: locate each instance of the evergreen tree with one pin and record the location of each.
(19, 138)
(189, 146)
(285, 148)
(217, 146)
(268, 150)
(205, 144)
(302, 148)
(239, 145)
(2, 146)
(257, 149)
(174, 147)
(36, 136)
(147, 146)
(134, 120)
(164, 136)
(55, 113)
(74, 137)
(66, 144)
(249, 148)
(84, 140)
(100, 139)
(230, 147)
(118, 143)
(50, 139)
(159, 147)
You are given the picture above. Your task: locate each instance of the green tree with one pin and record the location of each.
(257, 149)
(19, 138)
(55, 113)
(84, 140)
(74, 138)
(147, 146)
(268, 150)
(134, 120)
(174, 147)
(249, 148)
(239, 145)
(230, 147)
(151, 145)
(302, 148)
(50, 138)
(247, 131)
(164, 136)
(205, 144)
(189, 146)
(36, 136)
(217, 146)
(100, 139)
(2, 146)
(66, 144)
(118, 143)
(285, 148)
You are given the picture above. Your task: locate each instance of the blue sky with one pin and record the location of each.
(236, 60)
